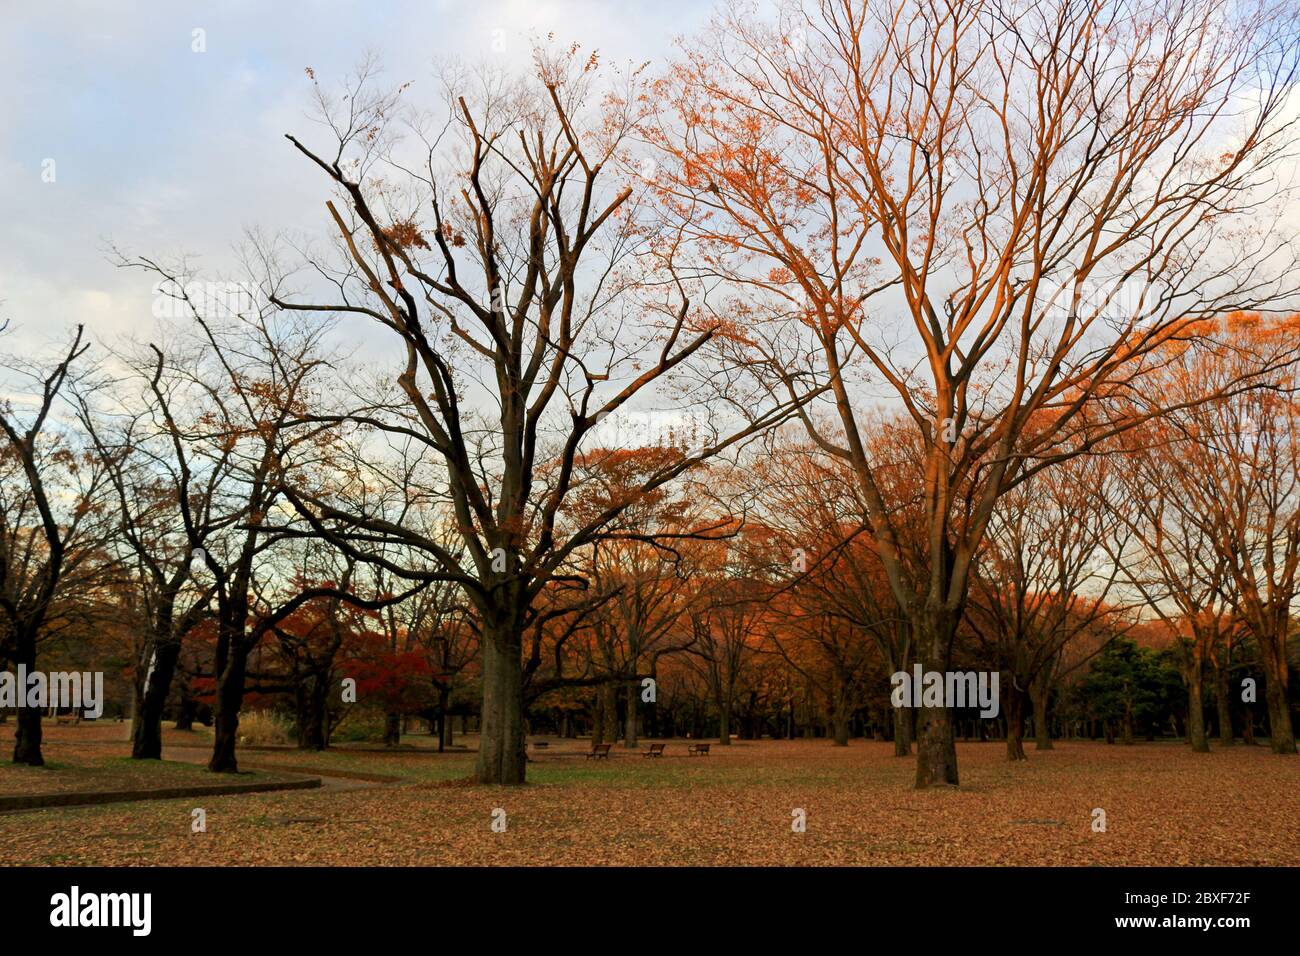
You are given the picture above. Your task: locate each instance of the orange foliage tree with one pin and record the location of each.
(996, 213)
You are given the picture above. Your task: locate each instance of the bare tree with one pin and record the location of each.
(50, 522)
(1044, 192)
(253, 377)
(843, 619)
(501, 257)
(1043, 580)
(1215, 493)
(167, 508)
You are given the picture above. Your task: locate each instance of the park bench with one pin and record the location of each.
(694, 749)
(656, 750)
(63, 719)
(540, 744)
(600, 750)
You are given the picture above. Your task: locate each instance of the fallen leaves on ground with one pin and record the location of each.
(1164, 806)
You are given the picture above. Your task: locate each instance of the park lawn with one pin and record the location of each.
(404, 765)
(1164, 805)
(79, 772)
(95, 757)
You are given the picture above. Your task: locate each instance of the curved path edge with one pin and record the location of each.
(38, 801)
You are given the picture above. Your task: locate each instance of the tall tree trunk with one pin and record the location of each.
(840, 729)
(1281, 735)
(187, 707)
(840, 716)
(230, 696)
(652, 714)
(501, 757)
(152, 691)
(1014, 699)
(1040, 691)
(598, 719)
(724, 723)
(1224, 704)
(1196, 711)
(392, 730)
(633, 698)
(610, 691)
(902, 732)
(936, 745)
(444, 698)
(27, 733)
(936, 748)
(27, 737)
(313, 713)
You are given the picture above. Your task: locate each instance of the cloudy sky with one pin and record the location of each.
(165, 150)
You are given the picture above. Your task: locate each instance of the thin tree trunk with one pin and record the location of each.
(1015, 716)
(652, 712)
(840, 720)
(444, 696)
(1224, 706)
(1196, 712)
(230, 695)
(610, 691)
(146, 726)
(629, 731)
(598, 719)
(188, 706)
(1040, 690)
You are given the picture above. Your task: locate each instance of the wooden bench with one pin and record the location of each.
(541, 744)
(694, 749)
(656, 750)
(600, 750)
